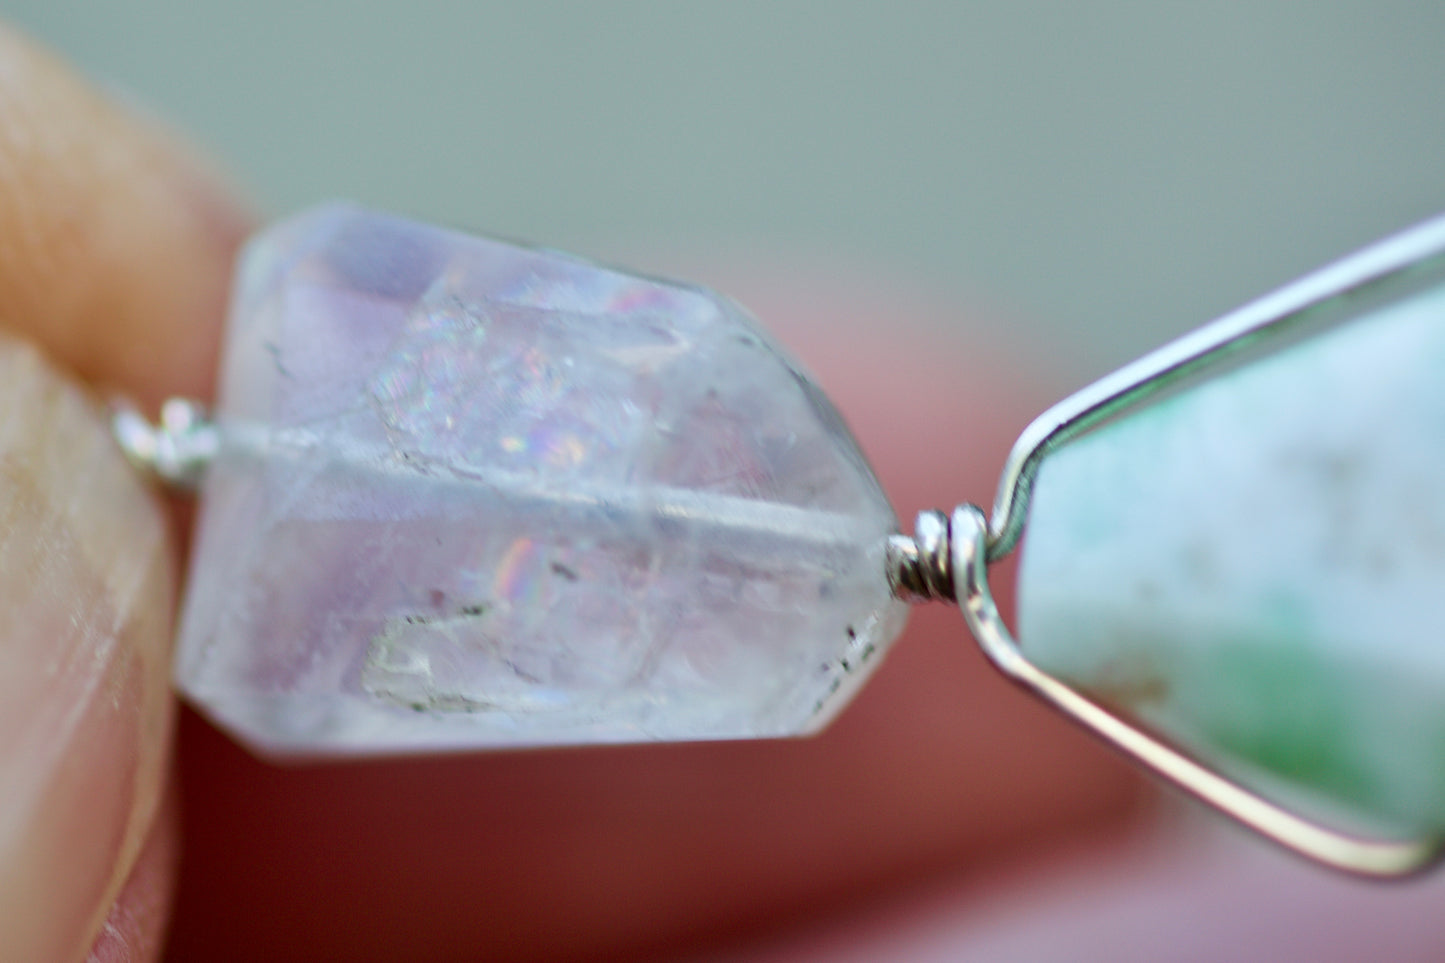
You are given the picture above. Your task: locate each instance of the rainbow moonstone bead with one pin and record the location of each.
(471, 495)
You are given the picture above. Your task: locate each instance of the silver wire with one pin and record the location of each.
(973, 541)
(920, 567)
(1384, 858)
(175, 450)
(1215, 343)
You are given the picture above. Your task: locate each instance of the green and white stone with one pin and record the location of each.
(1255, 567)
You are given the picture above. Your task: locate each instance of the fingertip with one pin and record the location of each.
(117, 241)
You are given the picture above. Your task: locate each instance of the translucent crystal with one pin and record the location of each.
(1255, 566)
(472, 494)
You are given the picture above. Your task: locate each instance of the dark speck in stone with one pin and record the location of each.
(274, 350)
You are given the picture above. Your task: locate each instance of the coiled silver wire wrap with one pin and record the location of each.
(920, 567)
(177, 449)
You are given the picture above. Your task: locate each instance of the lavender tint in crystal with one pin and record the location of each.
(474, 495)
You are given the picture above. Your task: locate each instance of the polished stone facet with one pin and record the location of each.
(472, 494)
(1255, 567)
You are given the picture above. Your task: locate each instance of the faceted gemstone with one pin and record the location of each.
(1255, 567)
(472, 494)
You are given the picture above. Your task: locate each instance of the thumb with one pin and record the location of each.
(114, 255)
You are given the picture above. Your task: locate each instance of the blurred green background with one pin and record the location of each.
(1097, 176)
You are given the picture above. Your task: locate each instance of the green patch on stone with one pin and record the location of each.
(1425, 807)
(1284, 710)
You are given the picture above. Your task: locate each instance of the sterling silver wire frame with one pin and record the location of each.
(975, 541)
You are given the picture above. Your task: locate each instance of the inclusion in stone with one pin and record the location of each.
(472, 494)
(1255, 567)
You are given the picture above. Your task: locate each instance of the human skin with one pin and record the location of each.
(115, 253)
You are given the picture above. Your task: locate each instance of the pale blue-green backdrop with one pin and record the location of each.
(1100, 175)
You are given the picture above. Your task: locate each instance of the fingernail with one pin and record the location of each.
(85, 603)
(134, 929)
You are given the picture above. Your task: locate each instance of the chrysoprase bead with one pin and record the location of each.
(472, 494)
(1256, 567)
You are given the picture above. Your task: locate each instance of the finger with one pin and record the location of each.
(85, 602)
(115, 244)
(601, 852)
(114, 253)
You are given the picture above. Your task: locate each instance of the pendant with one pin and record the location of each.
(460, 494)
